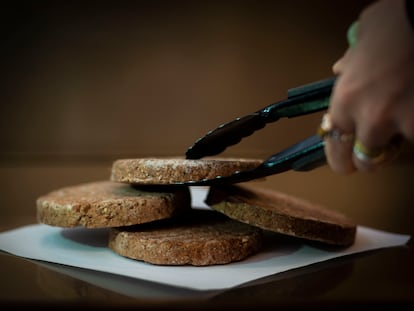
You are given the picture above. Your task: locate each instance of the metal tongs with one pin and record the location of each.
(302, 156)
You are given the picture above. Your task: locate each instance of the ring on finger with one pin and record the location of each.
(327, 130)
(375, 156)
(369, 155)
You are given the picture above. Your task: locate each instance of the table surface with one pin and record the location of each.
(382, 200)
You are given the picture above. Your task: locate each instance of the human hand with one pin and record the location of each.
(373, 98)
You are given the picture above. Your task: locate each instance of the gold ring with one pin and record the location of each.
(326, 130)
(375, 156)
(372, 156)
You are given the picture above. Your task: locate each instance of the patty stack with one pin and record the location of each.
(150, 218)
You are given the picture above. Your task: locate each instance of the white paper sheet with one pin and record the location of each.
(86, 248)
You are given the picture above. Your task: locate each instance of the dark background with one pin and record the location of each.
(115, 78)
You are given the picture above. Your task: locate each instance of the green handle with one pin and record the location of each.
(352, 34)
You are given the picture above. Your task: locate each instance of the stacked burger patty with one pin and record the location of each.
(148, 211)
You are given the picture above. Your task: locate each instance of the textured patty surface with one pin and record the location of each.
(176, 170)
(198, 238)
(108, 204)
(282, 213)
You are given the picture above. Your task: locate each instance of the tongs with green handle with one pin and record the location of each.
(302, 100)
(303, 156)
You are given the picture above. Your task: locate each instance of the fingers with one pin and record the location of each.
(339, 156)
(373, 95)
(358, 136)
(374, 140)
(346, 154)
(369, 159)
(339, 66)
(338, 146)
(363, 146)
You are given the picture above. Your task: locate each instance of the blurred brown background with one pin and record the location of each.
(86, 82)
(109, 78)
